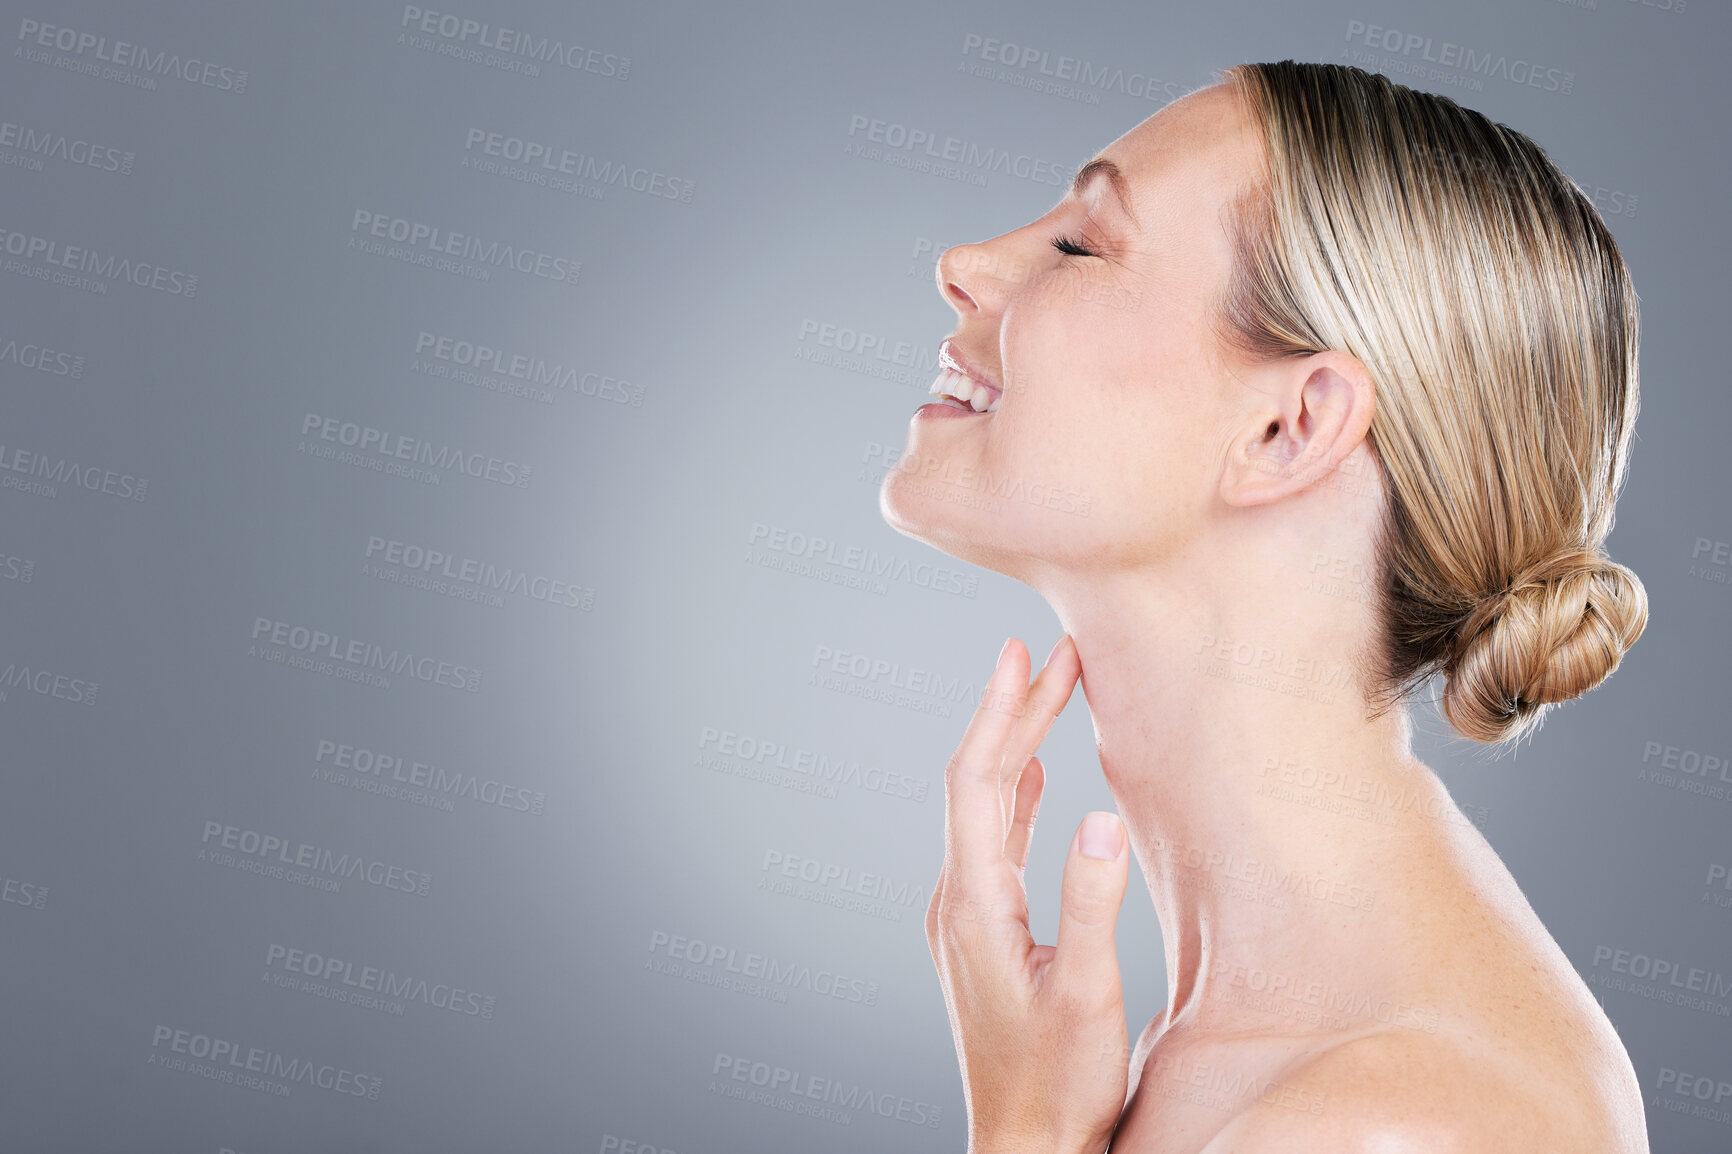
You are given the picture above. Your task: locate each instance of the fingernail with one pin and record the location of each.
(1055, 650)
(1102, 836)
(1001, 654)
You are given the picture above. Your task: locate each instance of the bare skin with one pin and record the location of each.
(1350, 966)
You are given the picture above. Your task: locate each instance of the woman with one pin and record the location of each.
(1340, 379)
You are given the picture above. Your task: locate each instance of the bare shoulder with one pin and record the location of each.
(1402, 1092)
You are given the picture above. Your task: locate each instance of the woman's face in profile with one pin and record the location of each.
(1114, 410)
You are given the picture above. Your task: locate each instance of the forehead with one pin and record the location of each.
(1196, 152)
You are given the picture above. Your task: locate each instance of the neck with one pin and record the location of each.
(1275, 823)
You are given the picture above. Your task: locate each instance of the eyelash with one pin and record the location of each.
(1070, 246)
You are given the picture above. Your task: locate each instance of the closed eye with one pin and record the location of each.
(1070, 246)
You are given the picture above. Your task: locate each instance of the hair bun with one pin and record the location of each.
(1558, 629)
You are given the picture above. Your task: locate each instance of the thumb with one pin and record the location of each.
(1094, 889)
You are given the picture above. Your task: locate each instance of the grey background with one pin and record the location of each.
(644, 497)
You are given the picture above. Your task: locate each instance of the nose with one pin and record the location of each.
(949, 281)
(967, 280)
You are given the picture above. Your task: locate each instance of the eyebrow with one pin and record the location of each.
(1101, 166)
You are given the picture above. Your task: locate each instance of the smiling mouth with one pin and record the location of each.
(963, 392)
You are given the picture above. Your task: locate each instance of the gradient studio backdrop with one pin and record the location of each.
(536, 346)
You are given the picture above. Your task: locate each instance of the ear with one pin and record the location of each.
(1311, 412)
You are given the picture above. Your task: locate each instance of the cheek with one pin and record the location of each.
(1058, 438)
(1129, 446)
(1098, 390)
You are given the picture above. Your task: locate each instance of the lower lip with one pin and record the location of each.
(939, 410)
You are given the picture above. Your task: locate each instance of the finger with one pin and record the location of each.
(932, 908)
(1028, 794)
(1046, 699)
(975, 819)
(1093, 891)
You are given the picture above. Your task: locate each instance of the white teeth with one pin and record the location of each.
(964, 389)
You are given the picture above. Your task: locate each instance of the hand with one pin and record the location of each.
(1040, 1030)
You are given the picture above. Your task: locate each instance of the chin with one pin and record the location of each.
(910, 506)
(940, 516)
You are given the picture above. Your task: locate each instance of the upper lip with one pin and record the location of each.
(951, 358)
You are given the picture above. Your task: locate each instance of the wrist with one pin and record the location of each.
(1004, 1144)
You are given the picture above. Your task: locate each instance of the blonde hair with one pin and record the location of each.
(1489, 303)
